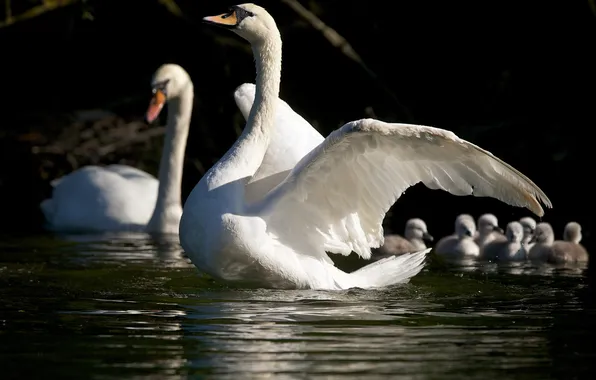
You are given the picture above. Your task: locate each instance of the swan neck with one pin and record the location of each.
(268, 66)
(244, 158)
(172, 158)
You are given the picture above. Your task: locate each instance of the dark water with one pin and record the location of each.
(134, 307)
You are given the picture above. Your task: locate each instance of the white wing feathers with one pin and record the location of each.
(336, 197)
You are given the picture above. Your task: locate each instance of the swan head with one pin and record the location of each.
(529, 225)
(416, 229)
(543, 234)
(168, 82)
(465, 226)
(249, 21)
(488, 223)
(573, 232)
(514, 232)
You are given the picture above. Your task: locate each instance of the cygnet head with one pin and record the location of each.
(488, 223)
(465, 226)
(573, 232)
(529, 225)
(514, 232)
(416, 229)
(169, 82)
(543, 234)
(249, 21)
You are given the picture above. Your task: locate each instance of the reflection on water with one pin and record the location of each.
(129, 247)
(116, 306)
(520, 267)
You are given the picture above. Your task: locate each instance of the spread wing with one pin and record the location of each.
(336, 197)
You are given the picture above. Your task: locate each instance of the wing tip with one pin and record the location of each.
(535, 199)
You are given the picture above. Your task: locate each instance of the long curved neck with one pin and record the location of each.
(243, 159)
(169, 199)
(268, 65)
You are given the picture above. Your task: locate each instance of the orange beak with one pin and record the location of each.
(155, 106)
(228, 20)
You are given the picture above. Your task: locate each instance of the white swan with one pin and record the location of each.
(123, 198)
(335, 198)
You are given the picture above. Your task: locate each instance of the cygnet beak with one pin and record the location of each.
(428, 237)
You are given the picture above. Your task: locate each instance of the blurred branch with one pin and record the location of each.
(107, 134)
(97, 148)
(344, 46)
(592, 4)
(172, 7)
(138, 137)
(46, 6)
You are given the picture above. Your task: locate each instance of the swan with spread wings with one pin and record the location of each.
(334, 198)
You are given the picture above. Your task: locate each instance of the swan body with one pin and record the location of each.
(121, 197)
(460, 244)
(509, 250)
(334, 199)
(96, 198)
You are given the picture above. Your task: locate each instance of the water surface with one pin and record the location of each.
(132, 306)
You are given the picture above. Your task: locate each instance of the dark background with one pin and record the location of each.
(517, 78)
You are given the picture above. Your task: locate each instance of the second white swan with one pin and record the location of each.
(124, 198)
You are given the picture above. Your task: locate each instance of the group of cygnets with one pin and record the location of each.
(522, 240)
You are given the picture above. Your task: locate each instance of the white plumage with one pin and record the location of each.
(282, 153)
(345, 186)
(108, 198)
(334, 199)
(124, 198)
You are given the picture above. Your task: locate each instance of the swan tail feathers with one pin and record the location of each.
(391, 270)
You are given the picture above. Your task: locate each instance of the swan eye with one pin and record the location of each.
(160, 86)
(242, 13)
